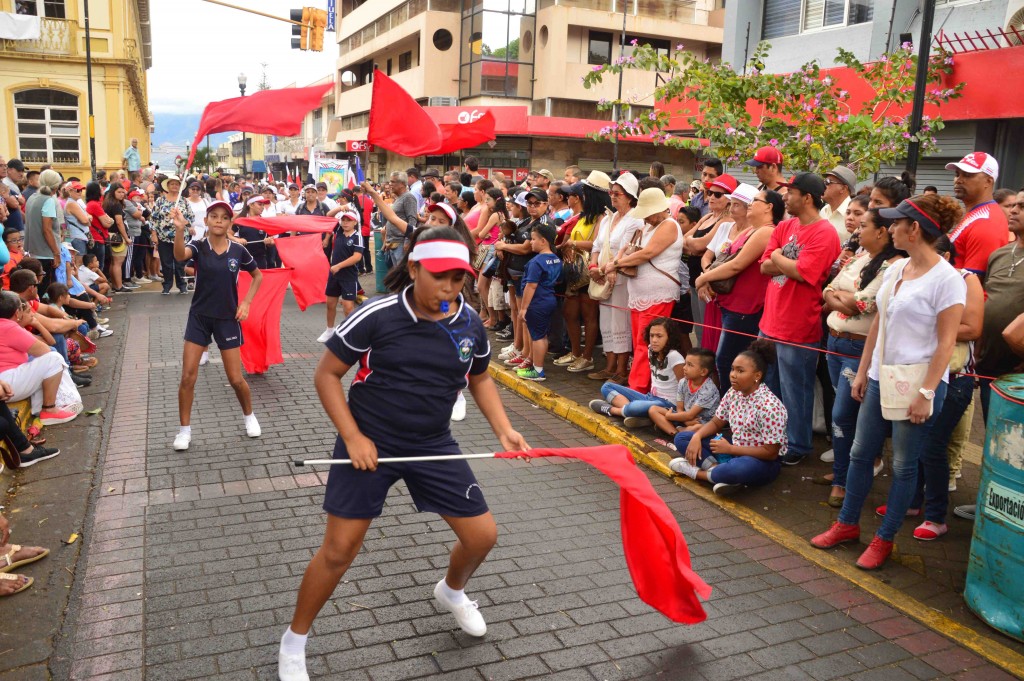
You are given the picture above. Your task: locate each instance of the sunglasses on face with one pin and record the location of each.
(763, 201)
(534, 204)
(717, 195)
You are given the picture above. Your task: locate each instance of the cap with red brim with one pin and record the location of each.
(444, 208)
(220, 204)
(442, 255)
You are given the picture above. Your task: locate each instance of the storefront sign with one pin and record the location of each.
(358, 146)
(522, 174)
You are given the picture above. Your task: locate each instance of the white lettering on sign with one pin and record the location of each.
(470, 116)
(1004, 504)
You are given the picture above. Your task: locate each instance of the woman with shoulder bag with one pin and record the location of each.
(580, 310)
(903, 372)
(655, 288)
(698, 238)
(614, 234)
(117, 240)
(742, 304)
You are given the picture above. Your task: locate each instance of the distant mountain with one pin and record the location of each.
(173, 132)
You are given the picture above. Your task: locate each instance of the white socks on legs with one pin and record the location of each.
(292, 643)
(456, 596)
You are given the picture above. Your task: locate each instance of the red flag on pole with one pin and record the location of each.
(656, 551)
(261, 331)
(305, 254)
(279, 224)
(272, 112)
(399, 124)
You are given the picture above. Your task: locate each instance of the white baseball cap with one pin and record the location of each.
(977, 162)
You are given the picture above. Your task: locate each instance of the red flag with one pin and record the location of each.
(272, 112)
(305, 254)
(655, 548)
(270, 175)
(262, 329)
(279, 224)
(399, 124)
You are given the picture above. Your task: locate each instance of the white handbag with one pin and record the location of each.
(603, 290)
(898, 384)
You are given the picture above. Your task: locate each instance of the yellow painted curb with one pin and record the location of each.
(995, 652)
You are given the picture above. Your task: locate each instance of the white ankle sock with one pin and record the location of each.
(453, 595)
(292, 643)
(185, 429)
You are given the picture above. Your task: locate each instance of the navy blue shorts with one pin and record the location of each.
(444, 487)
(342, 286)
(201, 329)
(538, 319)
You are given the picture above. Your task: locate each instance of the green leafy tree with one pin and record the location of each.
(264, 83)
(205, 158)
(512, 51)
(808, 116)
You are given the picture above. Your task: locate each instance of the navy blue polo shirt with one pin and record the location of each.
(344, 248)
(216, 294)
(544, 270)
(255, 238)
(410, 369)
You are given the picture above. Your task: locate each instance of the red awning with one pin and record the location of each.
(516, 121)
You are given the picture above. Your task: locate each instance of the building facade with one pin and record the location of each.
(800, 31)
(45, 115)
(232, 160)
(524, 61)
(319, 130)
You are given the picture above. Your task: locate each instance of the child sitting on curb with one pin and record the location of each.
(758, 422)
(661, 335)
(696, 398)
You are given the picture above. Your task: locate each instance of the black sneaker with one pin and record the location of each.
(166, 293)
(38, 454)
(793, 458)
(80, 382)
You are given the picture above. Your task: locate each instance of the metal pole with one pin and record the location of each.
(920, 83)
(88, 80)
(209, 168)
(618, 100)
(262, 14)
(242, 89)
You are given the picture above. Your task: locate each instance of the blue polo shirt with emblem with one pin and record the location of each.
(345, 246)
(216, 294)
(410, 370)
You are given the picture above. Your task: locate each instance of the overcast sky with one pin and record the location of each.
(199, 49)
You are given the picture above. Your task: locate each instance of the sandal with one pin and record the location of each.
(37, 441)
(89, 362)
(11, 578)
(7, 562)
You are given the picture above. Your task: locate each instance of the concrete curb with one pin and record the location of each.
(992, 650)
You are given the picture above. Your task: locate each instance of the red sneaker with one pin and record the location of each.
(911, 512)
(836, 535)
(51, 417)
(875, 554)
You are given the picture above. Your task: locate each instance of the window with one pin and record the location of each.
(318, 123)
(599, 49)
(662, 46)
(792, 17)
(496, 48)
(405, 61)
(47, 125)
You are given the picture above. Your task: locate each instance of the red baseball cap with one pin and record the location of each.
(77, 186)
(764, 156)
(221, 204)
(444, 208)
(134, 193)
(977, 162)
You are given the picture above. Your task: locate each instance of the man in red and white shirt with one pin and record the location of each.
(983, 228)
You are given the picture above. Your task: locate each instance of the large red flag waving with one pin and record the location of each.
(305, 254)
(272, 112)
(399, 124)
(655, 548)
(279, 224)
(261, 331)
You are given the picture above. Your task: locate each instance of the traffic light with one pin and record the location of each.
(318, 19)
(303, 16)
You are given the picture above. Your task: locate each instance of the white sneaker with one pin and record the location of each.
(507, 352)
(326, 335)
(829, 456)
(252, 426)
(683, 467)
(459, 410)
(291, 667)
(104, 332)
(205, 359)
(467, 613)
(181, 441)
(141, 280)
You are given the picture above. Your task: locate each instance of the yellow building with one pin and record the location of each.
(45, 113)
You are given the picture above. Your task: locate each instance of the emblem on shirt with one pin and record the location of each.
(233, 265)
(465, 349)
(792, 251)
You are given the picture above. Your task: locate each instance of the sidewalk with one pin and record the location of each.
(931, 573)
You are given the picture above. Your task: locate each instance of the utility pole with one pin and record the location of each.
(618, 100)
(88, 79)
(920, 84)
(241, 88)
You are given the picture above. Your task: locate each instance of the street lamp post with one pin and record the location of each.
(241, 88)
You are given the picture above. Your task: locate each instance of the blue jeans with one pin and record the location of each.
(933, 470)
(60, 346)
(639, 403)
(908, 442)
(732, 470)
(730, 345)
(81, 245)
(792, 380)
(842, 371)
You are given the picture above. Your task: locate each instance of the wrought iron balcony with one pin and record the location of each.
(57, 37)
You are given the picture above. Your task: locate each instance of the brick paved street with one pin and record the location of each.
(192, 560)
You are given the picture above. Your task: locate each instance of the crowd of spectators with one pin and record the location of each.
(724, 308)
